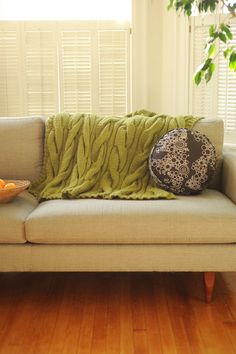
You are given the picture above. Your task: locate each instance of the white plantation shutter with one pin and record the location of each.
(73, 66)
(40, 54)
(217, 99)
(10, 71)
(76, 70)
(201, 97)
(113, 78)
(227, 93)
(94, 67)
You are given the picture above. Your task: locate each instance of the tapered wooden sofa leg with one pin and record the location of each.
(209, 282)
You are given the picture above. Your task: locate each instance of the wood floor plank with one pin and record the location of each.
(140, 342)
(212, 332)
(161, 307)
(126, 331)
(100, 316)
(21, 329)
(175, 297)
(138, 314)
(226, 304)
(87, 320)
(113, 315)
(116, 313)
(62, 317)
(49, 309)
(152, 325)
(192, 291)
(76, 304)
(208, 320)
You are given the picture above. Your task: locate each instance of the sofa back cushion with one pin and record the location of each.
(214, 130)
(21, 141)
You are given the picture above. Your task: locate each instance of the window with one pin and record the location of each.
(46, 67)
(74, 66)
(218, 97)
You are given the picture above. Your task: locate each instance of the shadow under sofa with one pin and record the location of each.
(192, 233)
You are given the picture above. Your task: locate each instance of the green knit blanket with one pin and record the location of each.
(88, 156)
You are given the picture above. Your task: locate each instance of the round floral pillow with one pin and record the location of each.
(183, 161)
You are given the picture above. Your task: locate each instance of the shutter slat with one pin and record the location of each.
(10, 102)
(41, 71)
(217, 97)
(227, 91)
(76, 65)
(113, 72)
(72, 66)
(202, 95)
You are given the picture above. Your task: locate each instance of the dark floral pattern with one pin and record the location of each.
(183, 161)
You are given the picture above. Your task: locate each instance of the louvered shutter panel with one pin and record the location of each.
(217, 98)
(94, 67)
(202, 96)
(227, 92)
(10, 71)
(74, 66)
(113, 71)
(76, 70)
(41, 69)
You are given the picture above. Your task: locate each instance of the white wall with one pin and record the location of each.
(160, 58)
(146, 60)
(65, 10)
(174, 67)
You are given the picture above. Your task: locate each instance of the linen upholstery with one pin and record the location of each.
(135, 257)
(214, 130)
(21, 147)
(229, 173)
(15, 257)
(209, 217)
(117, 258)
(13, 216)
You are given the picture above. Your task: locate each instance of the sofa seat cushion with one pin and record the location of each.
(13, 216)
(209, 217)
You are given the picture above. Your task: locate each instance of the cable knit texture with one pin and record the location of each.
(88, 156)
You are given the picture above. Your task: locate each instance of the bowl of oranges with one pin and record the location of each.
(9, 189)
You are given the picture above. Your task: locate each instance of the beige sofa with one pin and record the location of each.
(191, 233)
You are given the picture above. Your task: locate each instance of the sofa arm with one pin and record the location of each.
(229, 173)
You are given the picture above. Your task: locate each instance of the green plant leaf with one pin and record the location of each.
(226, 29)
(188, 10)
(221, 32)
(170, 5)
(212, 29)
(232, 61)
(205, 6)
(206, 64)
(197, 77)
(212, 67)
(211, 48)
(232, 8)
(212, 6)
(222, 37)
(226, 52)
(209, 72)
(208, 76)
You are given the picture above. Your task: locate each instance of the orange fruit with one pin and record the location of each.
(2, 183)
(10, 185)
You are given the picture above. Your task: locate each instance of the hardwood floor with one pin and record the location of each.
(83, 313)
